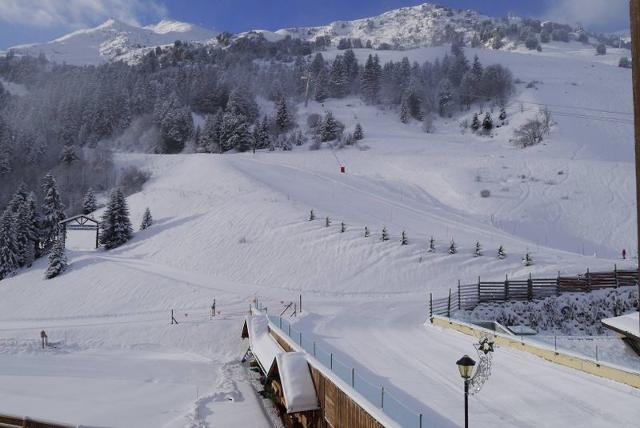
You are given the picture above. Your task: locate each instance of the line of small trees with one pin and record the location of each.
(452, 249)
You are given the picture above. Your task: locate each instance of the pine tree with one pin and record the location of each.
(370, 82)
(57, 260)
(478, 250)
(9, 257)
(385, 235)
(329, 131)
(147, 220)
(501, 253)
(115, 225)
(445, 97)
(487, 123)
(404, 111)
(52, 212)
(27, 231)
(338, 79)
(358, 133)
(283, 121)
(210, 134)
(475, 123)
(234, 133)
(89, 202)
(322, 86)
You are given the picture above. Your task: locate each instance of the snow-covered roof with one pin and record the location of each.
(626, 324)
(263, 346)
(297, 384)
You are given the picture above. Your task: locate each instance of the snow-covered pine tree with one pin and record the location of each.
(9, 257)
(487, 123)
(147, 220)
(322, 86)
(115, 225)
(235, 133)
(475, 123)
(210, 134)
(501, 253)
(57, 260)
(27, 231)
(370, 82)
(283, 120)
(404, 111)
(338, 79)
(329, 130)
(263, 137)
(445, 97)
(52, 212)
(358, 133)
(89, 202)
(385, 235)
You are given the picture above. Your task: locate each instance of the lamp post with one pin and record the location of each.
(465, 366)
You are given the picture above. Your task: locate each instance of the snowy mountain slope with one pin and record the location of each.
(422, 25)
(113, 40)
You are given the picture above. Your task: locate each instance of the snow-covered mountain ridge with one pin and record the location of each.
(408, 27)
(113, 40)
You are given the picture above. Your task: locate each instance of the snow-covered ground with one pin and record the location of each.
(235, 226)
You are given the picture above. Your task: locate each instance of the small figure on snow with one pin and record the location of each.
(366, 232)
(312, 216)
(527, 260)
(432, 245)
(624, 254)
(452, 247)
(343, 227)
(501, 253)
(403, 239)
(385, 235)
(327, 222)
(478, 251)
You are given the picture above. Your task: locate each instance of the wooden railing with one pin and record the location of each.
(7, 421)
(468, 296)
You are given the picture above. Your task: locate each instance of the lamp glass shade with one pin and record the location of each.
(465, 366)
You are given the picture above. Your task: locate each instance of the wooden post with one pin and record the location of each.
(615, 274)
(382, 397)
(530, 288)
(420, 421)
(300, 303)
(506, 288)
(588, 281)
(431, 307)
(558, 284)
(300, 338)
(449, 305)
(478, 290)
(634, 11)
(459, 298)
(331, 361)
(353, 377)
(314, 349)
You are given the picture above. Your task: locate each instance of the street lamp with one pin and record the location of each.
(465, 366)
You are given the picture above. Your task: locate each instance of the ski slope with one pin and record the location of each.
(235, 226)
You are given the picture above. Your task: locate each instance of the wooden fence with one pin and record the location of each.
(24, 422)
(468, 296)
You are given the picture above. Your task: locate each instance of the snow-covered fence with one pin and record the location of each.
(468, 296)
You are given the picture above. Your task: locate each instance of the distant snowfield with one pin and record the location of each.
(235, 226)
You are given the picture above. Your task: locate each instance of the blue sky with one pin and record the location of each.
(23, 21)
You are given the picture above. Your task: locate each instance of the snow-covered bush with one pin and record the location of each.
(485, 193)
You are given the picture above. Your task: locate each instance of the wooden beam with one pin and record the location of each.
(634, 11)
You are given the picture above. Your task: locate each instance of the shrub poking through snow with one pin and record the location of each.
(385, 235)
(57, 260)
(147, 220)
(478, 250)
(343, 227)
(527, 260)
(327, 222)
(485, 193)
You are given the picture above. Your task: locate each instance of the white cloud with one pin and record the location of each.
(77, 13)
(601, 15)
